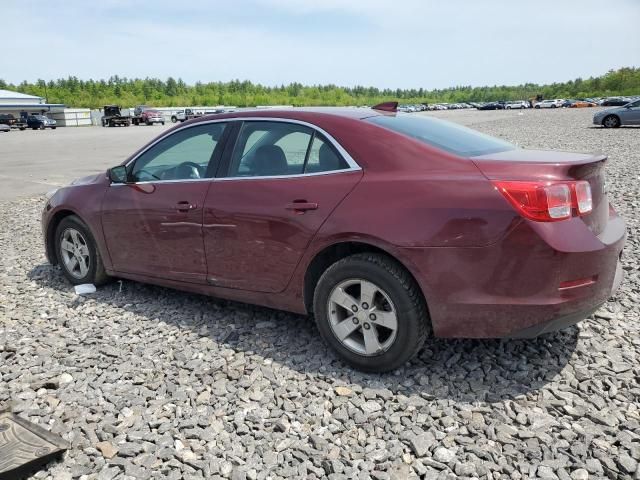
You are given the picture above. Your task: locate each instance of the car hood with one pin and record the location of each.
(88, 180)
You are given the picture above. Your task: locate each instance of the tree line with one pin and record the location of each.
(129, 92)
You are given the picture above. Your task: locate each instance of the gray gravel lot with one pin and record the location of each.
(146, 382)
(35, 161)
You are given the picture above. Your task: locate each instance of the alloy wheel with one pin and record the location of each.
(75, 253)
(611, 122)
(362, 317)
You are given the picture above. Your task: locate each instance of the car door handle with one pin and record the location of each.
(301, 206)
(185, 206)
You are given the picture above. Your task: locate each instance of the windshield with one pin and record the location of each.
(448, 136)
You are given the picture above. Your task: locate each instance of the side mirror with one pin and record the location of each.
(118, 174)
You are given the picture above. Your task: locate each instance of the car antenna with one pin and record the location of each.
(386, 107)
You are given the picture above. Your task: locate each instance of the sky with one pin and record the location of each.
(386, 44)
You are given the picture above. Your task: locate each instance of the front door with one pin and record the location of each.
(153, 224)
(281, 183)
(631, 114)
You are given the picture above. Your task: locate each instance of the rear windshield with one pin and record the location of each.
(448, 136)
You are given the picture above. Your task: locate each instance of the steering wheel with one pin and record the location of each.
(189, 170)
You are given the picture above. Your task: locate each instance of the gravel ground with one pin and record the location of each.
(145, 382)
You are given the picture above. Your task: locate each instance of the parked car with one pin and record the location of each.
(41, 122)
(307, 213)
(12, 122)
(183, 115)
(549, 103)
(146, 115)
(581, 104)
(519, 104)
(4, 128)
(614, 101)
(616, 117)
(491, 106)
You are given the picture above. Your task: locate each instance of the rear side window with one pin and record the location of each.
(447, 136)
(323, 157)
(270, 149)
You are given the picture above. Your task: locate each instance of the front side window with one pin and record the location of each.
(184, 155)
(267, 149)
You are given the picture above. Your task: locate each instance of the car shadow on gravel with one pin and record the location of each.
(473, 371)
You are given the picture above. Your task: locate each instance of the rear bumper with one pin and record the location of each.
(568, 319)
(515, 288)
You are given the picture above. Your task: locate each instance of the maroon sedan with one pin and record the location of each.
(387, 227)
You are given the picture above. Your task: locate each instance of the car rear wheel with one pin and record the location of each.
(77, 253)
(611, 121)
(371, 312)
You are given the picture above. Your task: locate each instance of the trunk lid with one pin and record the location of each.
(540, 165)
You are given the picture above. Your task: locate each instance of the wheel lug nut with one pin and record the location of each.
(354, 308)
(372, 317)
(365, 305)
(355, 320)
(366, 326)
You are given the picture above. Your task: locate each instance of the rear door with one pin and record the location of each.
(279, 183)
(153, 225)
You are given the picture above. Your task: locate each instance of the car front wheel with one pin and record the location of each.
(77, 252)
(371, 312)
(611, 121)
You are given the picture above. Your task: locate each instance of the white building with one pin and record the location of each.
(20, 105)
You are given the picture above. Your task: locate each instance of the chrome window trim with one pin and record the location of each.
(353, 165)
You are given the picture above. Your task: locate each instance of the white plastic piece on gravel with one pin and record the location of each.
(85, 289)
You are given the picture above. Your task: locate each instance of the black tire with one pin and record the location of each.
(174, 120)
(611, 121)
(34, 128)
(162, 123)
(53, 128)
(413, 324)
(95, 274)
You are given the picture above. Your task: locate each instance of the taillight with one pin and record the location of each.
(584, 200)
(547, 201)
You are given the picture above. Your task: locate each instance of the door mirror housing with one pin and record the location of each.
(118, 174)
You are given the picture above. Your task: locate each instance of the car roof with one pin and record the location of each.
(300, 113)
